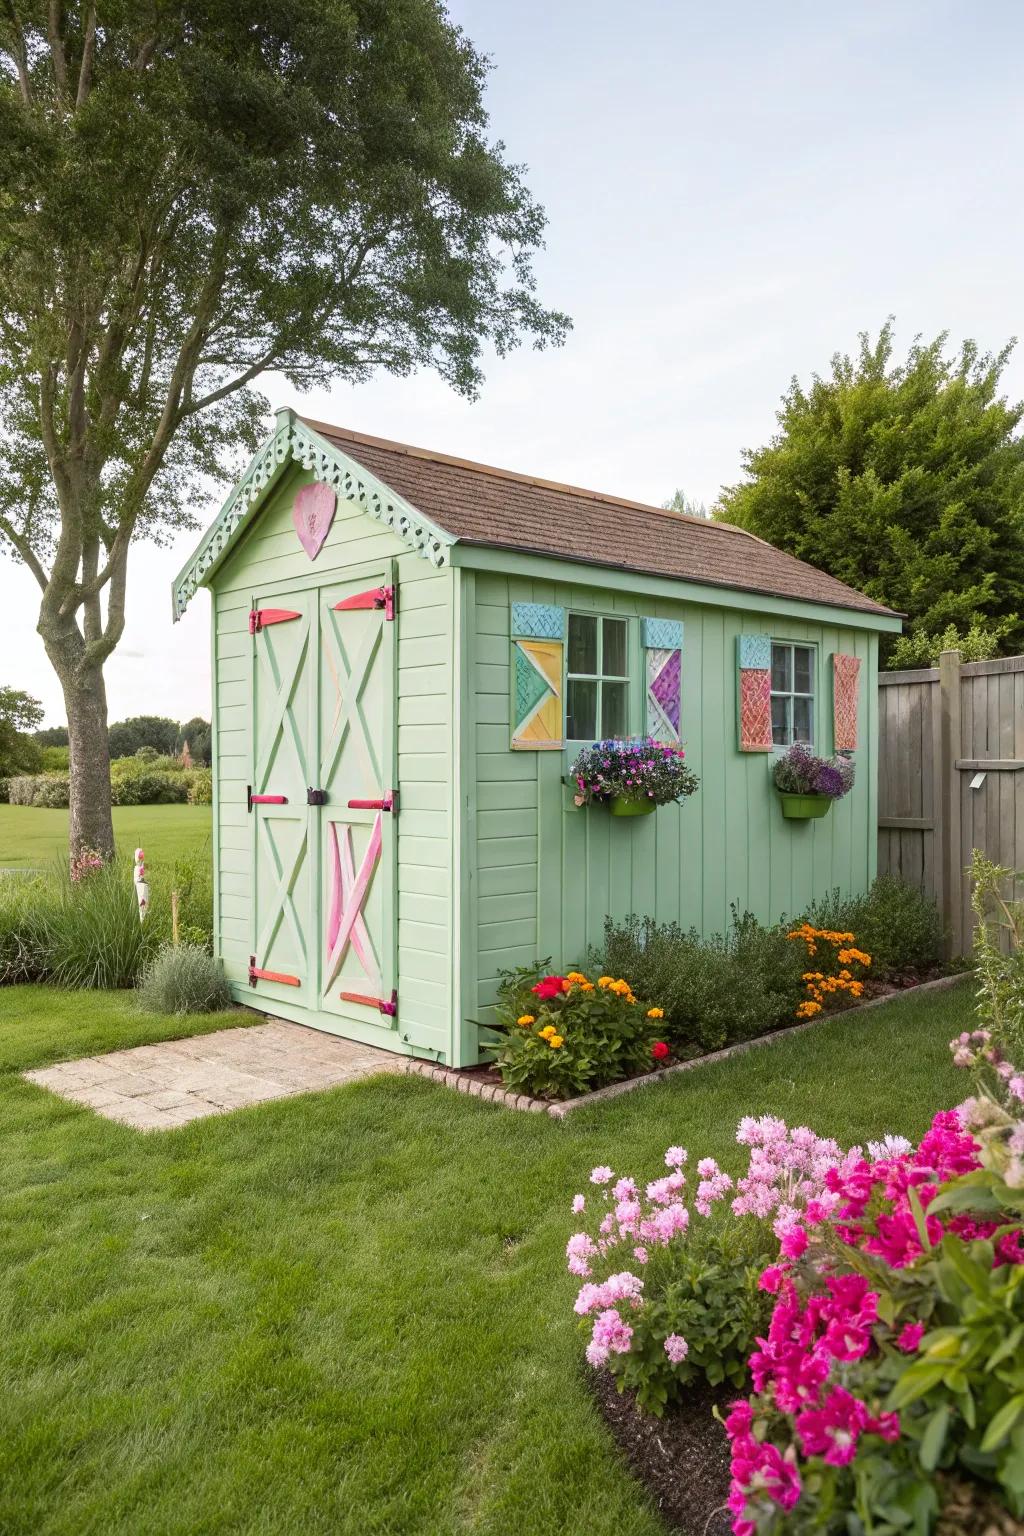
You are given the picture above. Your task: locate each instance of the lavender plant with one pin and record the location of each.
(799, 772)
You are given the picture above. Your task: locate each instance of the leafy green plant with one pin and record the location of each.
(998, 952)
(183, 979)
(898, 926)
(705, 1291)
(565, 1035)
(199, 786)
(713, 991)
(980, 641)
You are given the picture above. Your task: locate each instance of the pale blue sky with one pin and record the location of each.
(732, 194)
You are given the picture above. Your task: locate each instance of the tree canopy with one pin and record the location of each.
(195, 191)
(155, 731)
(20, 714)
(904, 479)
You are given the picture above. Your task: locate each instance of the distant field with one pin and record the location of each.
(31, 838)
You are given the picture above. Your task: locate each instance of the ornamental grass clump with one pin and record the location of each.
(639, 769)
(566, 1035)
(799, 772)
(184, 978)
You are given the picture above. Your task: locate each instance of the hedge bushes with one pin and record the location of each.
(133, 781)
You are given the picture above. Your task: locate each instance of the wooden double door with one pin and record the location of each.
(323, 798)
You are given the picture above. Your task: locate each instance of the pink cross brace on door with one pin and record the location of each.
(345, 921)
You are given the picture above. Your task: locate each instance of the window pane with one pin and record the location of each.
(614, 712)
(803, 720)
(803, 658)
(581, 711)
(583, 644)
(780, 722)
(782, 669)
(613, 661)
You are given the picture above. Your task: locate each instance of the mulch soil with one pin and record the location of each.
(682, 1459)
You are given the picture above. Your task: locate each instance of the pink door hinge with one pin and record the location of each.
(259, 618)
(376, 597)
(387, 1006)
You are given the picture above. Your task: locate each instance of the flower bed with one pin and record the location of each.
(871, 1301)
(567, 1035)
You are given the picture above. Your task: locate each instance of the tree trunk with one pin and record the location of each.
(85, 697)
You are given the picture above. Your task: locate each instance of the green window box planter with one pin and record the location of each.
(804, 807)
(625, 805)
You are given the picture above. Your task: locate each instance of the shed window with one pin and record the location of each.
(792, 693)
(597, 678)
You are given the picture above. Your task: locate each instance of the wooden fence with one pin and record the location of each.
(951, 778)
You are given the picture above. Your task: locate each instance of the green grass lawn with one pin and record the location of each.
(348, 1312)
(30, 838)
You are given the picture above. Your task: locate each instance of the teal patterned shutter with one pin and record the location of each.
(662, 641)
(538, 644)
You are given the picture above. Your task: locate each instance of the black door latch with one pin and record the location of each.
(316, 796)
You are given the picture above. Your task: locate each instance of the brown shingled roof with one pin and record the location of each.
(500, 509)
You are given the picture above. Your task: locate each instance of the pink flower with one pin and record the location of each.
(578, 1204)
(771, 1279)
(794, 1242)
(833, 1430)
(601, 1175)
(675, 1157)
(676, 1348)
(910, 1337)
(611, 1333)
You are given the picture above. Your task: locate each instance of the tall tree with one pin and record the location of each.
(905, 480)
(125, 737)
(20, 713)
(195, 191)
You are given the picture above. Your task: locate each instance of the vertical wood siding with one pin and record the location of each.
(271, 555)
(547, 873)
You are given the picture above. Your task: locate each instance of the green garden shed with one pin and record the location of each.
(408, 651)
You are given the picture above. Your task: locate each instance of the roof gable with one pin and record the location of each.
(434, 502)
(295, 441)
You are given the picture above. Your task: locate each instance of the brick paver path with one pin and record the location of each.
(155, 1087)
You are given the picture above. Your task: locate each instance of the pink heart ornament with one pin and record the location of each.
(313, 514)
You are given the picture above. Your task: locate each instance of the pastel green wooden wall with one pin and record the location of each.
(426, 889)
(545, 874)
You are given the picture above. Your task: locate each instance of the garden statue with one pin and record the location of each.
(141, 884)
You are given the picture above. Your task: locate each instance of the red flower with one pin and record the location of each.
(551, 986)
(659, 1050)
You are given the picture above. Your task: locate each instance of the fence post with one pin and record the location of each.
(949, 801)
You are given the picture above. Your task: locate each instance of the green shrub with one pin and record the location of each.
(199, 786)
(185, 979)
(192, 877)
(40, 789)
(714, 991)
(56, 759)
(898, 927)
(149, 787)
(565, 1035)
(5, 793)
(706, 1292)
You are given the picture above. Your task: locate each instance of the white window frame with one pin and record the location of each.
(793, 693)
(599, 676)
